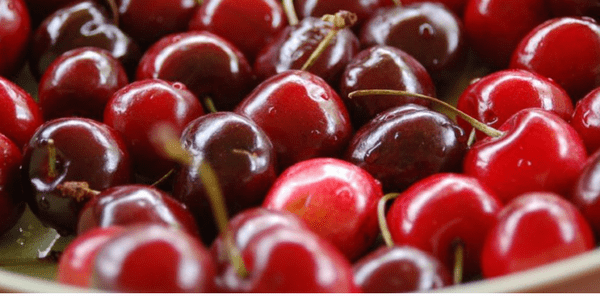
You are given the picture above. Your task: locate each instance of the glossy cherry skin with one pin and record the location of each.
(129, 205)
(135, 110)
(590, 8)
(20, 115)
(400, 269)
(15, 31)
(40, 9)
(12, 205)
(456, 6)
(532, 230)
(427, 31)
(295, 44)
(289, 260)
(250, 24)
(538, 151)
(336, 199)
(77, 25)
(497, 96)
(407, 143)
(86, 150)
(77, 260)
(207, 64)
(154, 258)
(383, 67)
(318, 8)
(79, 83)
(495, 27)
(566, 50)
(441, 211)
(302, 115)
(586, 120)
(586, 192)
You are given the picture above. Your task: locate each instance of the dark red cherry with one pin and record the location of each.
(295, 44)
(442, 212)
(400, 269)
(40, 9)
(85, 151)
(129, 205)
(427, 31)
(566, 50)
(207, 64)
(318, 8)
(242, 157)
(538, 151)
(12, 205)
(154, 258)
(563, 8)
(532, 230)
(383, 67)
(249, 24)
(407, 143)
(456, 6)
(336, 199)
(497, 96)
(20, 115)
(586, 120)
(82, 24)
(586, 192)
(495, 27)
(136, 109)
(302, 115)
(15, 31)
(79, 83)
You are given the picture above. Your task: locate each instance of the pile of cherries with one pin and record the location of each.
(156, 121)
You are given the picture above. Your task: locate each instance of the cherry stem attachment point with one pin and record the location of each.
(210, 104)
(397, 2)
(492, 132)
(459, 260)
(290, 11)
(385, 231)
(78, 190)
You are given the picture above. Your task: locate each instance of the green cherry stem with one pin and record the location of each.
(210, 104)
(290, 11)
(459, 257)
(385, 231)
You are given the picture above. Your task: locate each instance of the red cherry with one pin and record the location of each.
(456, 6)
(443, 211)
(15, 31)
(40, 9)
(79, 83)
(566, 50)
(590, 8)
(586, 192)
(497, 96)
(532, 230)
(538, 151)
(336, 199)
(20, 115)
(302, 115)
(586, 120)
(12, 205)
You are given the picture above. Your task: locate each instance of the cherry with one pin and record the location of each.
(70, 150)
(427, 31)
(318, 8)
(209, 65)
(400, 269)
(383, 67)
(241, 155)
(336, 199)
(590, 8)
(302, 115)
(456, 6)
(566, 50)
(128, 205)
(407, 143)
(15, 31)
(538, 151)
(532, 230)
(20, 115)
(586, 120)
(137, 108)
(250, 24)
(40, 9)
(442, 212)
(497, 96)
(495, 27)
(154, 258)
(79, 83)
(586, 194)
(12, 205)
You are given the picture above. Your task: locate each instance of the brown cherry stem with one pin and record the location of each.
(210, 104)
(52, 172)
(78, 190)
(290, 12)
(115, 11)
(340, 20)
(385, 231)
(492, 132)
(459, 261)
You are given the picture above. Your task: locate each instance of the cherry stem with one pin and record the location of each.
(210, 104)
(78, 190)
(472, 138)
(397, 2)
(52, 172)
(385, 231)
(164, 178)
(459, 258)
(115, 11)
(290, 11)
(340, 20)
(492, 132)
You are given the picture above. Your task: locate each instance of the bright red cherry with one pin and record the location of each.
(20, 115)
(532, 230)
(12, 205)
(79, 83)
(538, 151)
(15, 31)
(586, 192)
(442, 212)
(249, 24)
(497, 96)
(586, 120)
(566, 50)
(337, 200)
(318, 8)
(302, 115)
